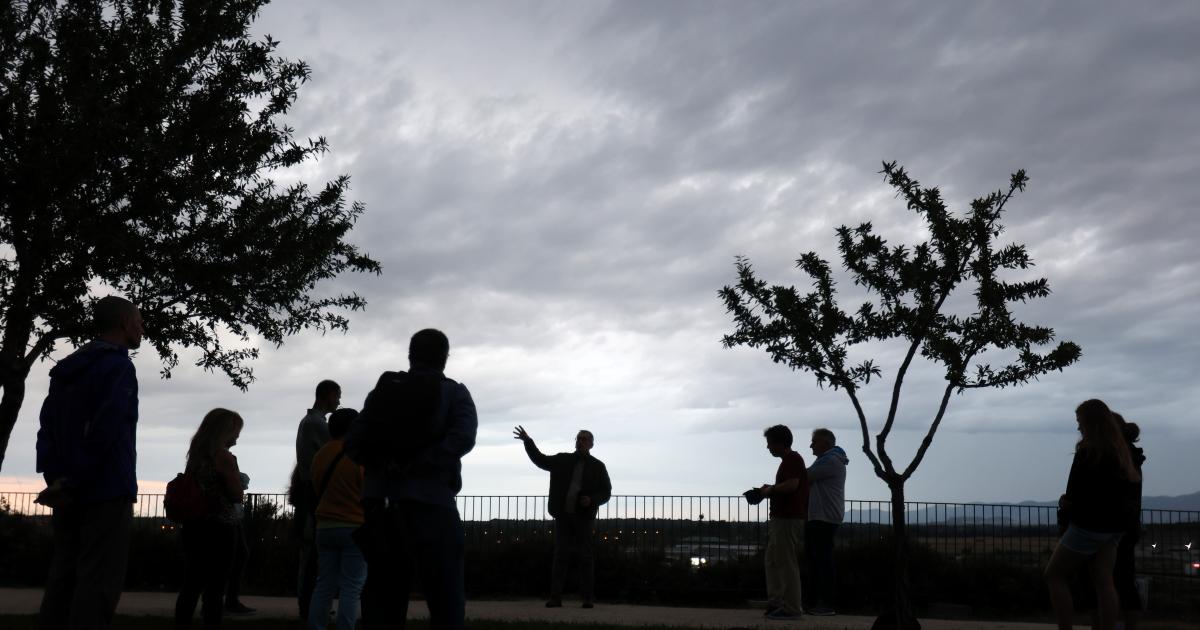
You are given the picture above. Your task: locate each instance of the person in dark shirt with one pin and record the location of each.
(785, 528)
(1100, 502)
(578, 485)
(87, 452)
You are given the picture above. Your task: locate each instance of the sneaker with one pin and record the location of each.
(780, 614)
(588, 605)
(554, 603)
(821, 611)
(769, 611)
(238, 608)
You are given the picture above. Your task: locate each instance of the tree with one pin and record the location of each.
(139, 146)
(908, 289)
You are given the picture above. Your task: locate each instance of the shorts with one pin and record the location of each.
(1088, 543)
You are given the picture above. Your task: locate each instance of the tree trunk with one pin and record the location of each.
(10, 407)
(13, 372)
(901, 615)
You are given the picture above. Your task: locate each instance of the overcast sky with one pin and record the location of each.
(562, 188)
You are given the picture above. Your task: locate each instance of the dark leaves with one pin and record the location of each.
(137, 145)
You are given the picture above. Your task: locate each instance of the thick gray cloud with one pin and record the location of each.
(563, 187)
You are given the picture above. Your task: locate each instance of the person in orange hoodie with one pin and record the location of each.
(340, 565)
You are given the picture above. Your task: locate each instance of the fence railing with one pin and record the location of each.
(706, 529)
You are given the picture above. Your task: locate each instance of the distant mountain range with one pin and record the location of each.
(1007, 513)
(1181, 502)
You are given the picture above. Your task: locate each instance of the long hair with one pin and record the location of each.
(1100, 436)
(216, 427)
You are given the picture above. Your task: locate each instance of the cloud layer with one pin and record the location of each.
(562, 188)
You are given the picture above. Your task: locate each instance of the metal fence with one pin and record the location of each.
(710, 529)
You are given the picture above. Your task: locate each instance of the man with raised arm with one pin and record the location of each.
(578, 485)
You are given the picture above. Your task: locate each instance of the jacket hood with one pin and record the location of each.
(838, 453)
(84, 358)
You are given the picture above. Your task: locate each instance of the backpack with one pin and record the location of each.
(406, 414)
(185, 500)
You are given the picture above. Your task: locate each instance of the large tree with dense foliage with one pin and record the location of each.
(909, 289)
(140, 147)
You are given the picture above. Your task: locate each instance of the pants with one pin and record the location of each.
(341, 570)
(573, 535)
(306, 570)
(240, 550)
(782, 562)
(818, 545)
(208, 548)
(389, 572)
(87, 572)
(433, 542)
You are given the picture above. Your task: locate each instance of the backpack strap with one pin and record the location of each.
(328, 475)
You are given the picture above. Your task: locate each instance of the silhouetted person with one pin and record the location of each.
(579, 484)
(87, 452)
(241, 549)
(341, 569)
(1101, 496)
(785, 528)
(826, 509)
(209, 542)
(1123, 569)
(413, 431)
(311, 435)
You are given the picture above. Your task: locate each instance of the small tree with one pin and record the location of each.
(909, 289)
(137, 146)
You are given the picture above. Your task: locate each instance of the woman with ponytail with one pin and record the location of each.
(1101, 498)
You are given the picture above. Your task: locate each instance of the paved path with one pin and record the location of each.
(25, 602)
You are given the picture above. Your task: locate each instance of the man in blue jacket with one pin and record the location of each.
(414, 429)
(87, 452)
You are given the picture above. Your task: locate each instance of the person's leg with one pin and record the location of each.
(437, 541)
(1125, 580)
(219, 552)
(193, 575)
(584, 533)
(790, 564)
(353, 575)
(328, 569)
(563, 545)
(818, 545)
(241, 550)
(1100, 569)
(380, 589)
(771, 565)
(306, 576)
(103, 556)
(60, 582)
(1063, 563)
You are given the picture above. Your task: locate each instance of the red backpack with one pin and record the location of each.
(185, 500)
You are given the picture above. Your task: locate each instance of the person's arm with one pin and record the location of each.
(786, 487)
(604, 492)
(540, 460)
(464, 424)
(226, 466)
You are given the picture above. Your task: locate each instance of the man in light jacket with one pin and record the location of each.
(826, 509)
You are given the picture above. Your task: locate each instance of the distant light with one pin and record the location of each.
(1154, 545)
(1196, 565)
(695, 562)
(1189, 546)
